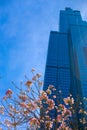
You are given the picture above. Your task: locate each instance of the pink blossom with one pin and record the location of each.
(23, 97)
(28, 83)
(1, 110)
(61, 107)
(7, 122)
(66, 113)
(50, 103)
(69, 100)
(24, 105)
(34, 121)
(59, 118)
(48, 91)
(49, 124)
(43, 95)
(8, 94)
(38, 75)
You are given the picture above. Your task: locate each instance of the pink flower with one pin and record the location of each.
(48, 91)
(34, 78)
(49, 124)
(43, 95)
(69, 100)
(7, 122)
(38, 75)
(59, 118)
(23, 96)
(32, 106)
(8, 94)
(50, 87)
(34, 121)
(66, 113)
(32, 70)
(64, 127)
(40, 83)
(50, 103)
(61, 107)
(22, 104)
(1, 110)
(28, 83)
(54, 96)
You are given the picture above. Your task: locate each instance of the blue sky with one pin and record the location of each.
(25, 26)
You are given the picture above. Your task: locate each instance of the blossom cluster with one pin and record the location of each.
(31, 107)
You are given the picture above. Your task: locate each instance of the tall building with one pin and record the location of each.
(66, 66)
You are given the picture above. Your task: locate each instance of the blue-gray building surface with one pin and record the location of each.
(66, 65)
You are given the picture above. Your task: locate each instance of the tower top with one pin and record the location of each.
(68, 9)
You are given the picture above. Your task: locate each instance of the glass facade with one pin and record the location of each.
(66, 66)
(79, 42)
(57, 67)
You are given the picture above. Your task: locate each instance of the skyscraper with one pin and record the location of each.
(66, 66)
